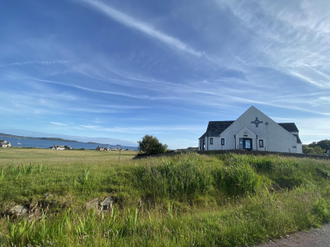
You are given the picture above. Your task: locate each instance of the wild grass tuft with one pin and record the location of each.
(191, 175)
(184, 177)
(238, 179)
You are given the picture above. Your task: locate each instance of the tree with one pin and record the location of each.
(307, 149)
(317, 147)
(324, 144)
(150, 145)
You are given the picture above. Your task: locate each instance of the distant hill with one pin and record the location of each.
(44, 138)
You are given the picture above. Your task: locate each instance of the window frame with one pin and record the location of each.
(223, 141)
(261, 143)
(211, 140)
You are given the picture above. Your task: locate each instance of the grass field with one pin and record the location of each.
(185, 200)
(16, 156)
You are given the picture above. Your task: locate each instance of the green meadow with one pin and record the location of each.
(183, 200)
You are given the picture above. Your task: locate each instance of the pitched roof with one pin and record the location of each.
(291, 127)
(215, 128)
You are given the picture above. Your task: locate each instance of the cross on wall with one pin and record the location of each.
(257, 122)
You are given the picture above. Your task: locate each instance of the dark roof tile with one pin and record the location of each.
(291, 127)
(215, 128)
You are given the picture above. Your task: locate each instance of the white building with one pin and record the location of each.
(4, 144)
(253, 130)
(60, 147)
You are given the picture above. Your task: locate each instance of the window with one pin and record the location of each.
(240, 143)
(211, 141)
(222, 141)
(261, 143)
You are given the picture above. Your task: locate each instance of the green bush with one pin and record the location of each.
(150, 145)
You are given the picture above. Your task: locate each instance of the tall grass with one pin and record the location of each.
(174, 178)
(244, 223)
(26, 169)
(191, 175)
(237, 179)
(252, 198)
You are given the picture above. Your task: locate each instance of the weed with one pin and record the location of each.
(322, 209)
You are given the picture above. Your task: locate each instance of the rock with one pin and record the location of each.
(18, 210)
(100, 207)
(36, 215)
(47, 195)
(93, 204)
(107, 203)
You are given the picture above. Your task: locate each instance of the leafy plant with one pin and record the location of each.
(150, 145)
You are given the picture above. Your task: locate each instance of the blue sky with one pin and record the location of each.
(114, 71)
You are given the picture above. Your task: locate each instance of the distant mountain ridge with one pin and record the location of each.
(47, 138)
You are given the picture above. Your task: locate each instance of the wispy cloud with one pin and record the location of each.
(142, 27)
(45, 63)
(37, 62)
(136, 96)
(292, 38)
(316, 78)
(93, 127)
(146, 129)
(59, 124)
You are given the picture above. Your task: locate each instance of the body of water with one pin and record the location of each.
(47, 144)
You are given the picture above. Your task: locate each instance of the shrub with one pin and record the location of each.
(151, 145)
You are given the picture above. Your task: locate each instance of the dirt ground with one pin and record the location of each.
(314, 238)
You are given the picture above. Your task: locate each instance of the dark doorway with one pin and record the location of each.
(245, 143)
(202, 145)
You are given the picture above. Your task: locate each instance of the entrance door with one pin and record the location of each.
(245, 143)
(202, 145)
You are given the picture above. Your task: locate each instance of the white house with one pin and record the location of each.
(60, 147)
(253, 130)
(4, 144)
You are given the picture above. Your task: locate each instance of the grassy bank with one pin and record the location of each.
(185, 200)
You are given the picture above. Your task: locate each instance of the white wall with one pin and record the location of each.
(216, 143)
